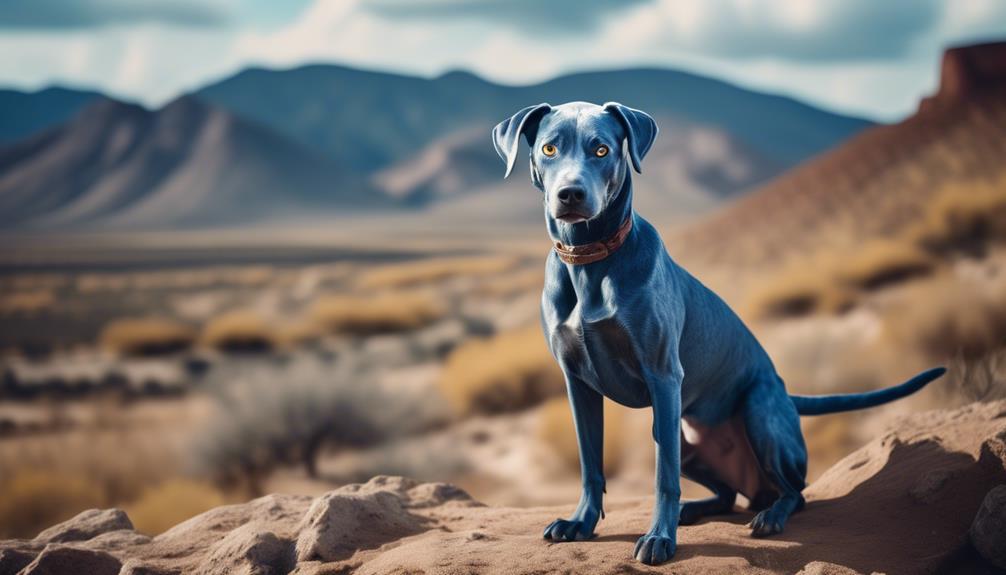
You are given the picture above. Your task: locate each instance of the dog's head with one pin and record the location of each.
(577, 157)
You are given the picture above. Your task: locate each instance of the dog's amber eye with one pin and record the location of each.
(549, 150)
(601, 151)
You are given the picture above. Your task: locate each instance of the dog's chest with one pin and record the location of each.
(600, 350)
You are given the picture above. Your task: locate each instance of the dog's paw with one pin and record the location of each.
(766, 523)
(654, 549)
(566, 530)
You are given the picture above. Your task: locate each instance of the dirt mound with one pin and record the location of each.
(905, 503)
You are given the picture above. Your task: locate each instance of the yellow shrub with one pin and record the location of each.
(432, 270)
(798, 290)
(27, 302)
(168, 504)
(883, 262)
(32, 500)
(239, 331)
(147, 336)
(297, 332)
(948, 317)
(829, 282)
(556, 429)
(382, 313)
(964, 216)
(510, 371)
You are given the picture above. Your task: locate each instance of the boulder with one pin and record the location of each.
(86, 525)
(249, 550)
(361, 517)
(14, 560)
(988, 532)
(66, 560)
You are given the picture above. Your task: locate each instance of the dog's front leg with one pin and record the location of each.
(660, 542)
(588, 417)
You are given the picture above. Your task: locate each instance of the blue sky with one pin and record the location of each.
(869, 57)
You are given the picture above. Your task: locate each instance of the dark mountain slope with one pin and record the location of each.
(23, 114)
(371, 120)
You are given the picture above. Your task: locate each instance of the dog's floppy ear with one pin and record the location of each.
(640, 131)
(506, 134)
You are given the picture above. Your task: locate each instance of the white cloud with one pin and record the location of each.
(860, 56)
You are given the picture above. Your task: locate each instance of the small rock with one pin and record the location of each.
(249, 550)
(825, 568)
(137, 567)
(927, 488)
(86, 525)
(356, 517)
(433, 494)
(13, 560)
(988, 531)
(65, 560)
(479, 536)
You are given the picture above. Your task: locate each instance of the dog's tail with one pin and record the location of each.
(823, 404)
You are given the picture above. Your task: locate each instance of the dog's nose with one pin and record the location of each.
(571, 195)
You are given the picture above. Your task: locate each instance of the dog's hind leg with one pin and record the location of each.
(721, 502)
(773, 428)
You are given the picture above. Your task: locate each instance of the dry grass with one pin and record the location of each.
(510, 371)
(798, 290)
(881, 263)
(27, 302)
(168, 504)
(147, 336)
(382, 313)
(110, 457)
(239, 331)
(556, 429)
(831, 282)
(31, 500)
(948, 317)
(979, 379)
(430, 271)
(964, 217)
(297, 332)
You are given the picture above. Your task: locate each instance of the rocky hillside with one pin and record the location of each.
(927, 497)
(879, 181)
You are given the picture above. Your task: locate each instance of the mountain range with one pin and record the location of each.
(326, 139)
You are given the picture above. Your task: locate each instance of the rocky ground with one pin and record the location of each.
(928, 496)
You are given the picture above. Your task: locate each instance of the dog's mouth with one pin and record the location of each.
(571, 217)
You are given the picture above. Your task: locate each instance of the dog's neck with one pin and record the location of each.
(599, 228)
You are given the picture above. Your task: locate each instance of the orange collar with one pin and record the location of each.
(595, 251)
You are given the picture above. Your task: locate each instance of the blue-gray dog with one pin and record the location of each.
(625, 322)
